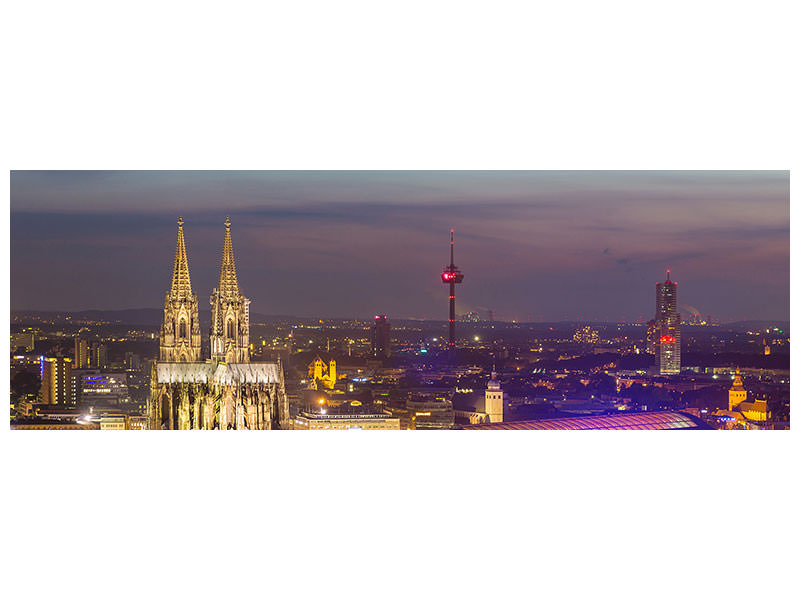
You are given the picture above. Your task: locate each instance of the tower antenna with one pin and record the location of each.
(451, 276)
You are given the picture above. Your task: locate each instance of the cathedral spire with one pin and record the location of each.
(228, 285)
(230, 312)
(181, 283)
(180, 337)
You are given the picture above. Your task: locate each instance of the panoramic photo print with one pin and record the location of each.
(389, 300)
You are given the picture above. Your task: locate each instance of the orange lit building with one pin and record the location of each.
(741, 413)
(56, 380)
(322, 373)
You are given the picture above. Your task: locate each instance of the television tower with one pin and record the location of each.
(452, 275)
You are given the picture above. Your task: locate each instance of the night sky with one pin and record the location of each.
(533, 245)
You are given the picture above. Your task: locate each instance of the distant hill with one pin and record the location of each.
(129, 316)
(152, 317)
(133, 316)
(756, 325)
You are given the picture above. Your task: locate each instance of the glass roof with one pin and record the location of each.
(647, 421)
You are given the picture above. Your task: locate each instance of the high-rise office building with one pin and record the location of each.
(381, 337)
(133, 361)
(668, 327)
(81, 353)
(98, 357)
(76, 386)
(56, 380)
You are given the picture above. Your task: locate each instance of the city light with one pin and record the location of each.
(553, 352)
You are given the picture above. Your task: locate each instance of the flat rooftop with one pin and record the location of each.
(646, 421)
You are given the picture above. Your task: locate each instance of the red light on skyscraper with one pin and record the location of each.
(667, 339)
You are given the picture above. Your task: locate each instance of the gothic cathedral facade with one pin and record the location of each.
(225, 390)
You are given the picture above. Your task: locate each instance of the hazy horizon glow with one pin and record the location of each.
(533, 245)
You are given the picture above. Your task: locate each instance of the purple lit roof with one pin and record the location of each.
(647, 421)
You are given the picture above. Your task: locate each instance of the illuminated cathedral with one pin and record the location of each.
(224, 390)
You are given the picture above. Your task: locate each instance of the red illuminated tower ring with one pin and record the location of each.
(451, 275)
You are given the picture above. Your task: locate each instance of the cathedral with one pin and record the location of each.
(223, 390)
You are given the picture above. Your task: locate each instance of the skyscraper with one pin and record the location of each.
(98, 357)
(81, 353)
(381, 337)
(668, 328)
(56, 380)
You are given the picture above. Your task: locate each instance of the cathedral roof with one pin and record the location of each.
(181, 283)
(169, 372)
(228, 285)
(221, 373)
(759, 405)
(247, 373)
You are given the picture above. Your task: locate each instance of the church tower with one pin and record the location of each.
(230, 312)
(180, 331)
(494, 400)
(737, 394)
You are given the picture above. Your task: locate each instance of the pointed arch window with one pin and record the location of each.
(230, 330)
(182, 329)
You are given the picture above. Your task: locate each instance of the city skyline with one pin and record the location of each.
(583, 245)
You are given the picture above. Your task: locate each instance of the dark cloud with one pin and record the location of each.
(353, 243)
